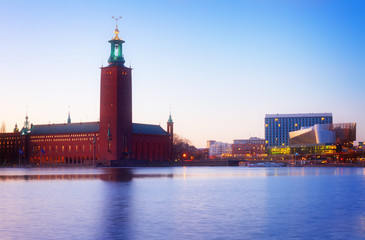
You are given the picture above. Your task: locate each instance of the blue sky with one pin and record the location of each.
(220, 65)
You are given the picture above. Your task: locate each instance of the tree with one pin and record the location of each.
(183, 150)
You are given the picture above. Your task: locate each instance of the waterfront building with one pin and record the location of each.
(248, 147)
(220, 149)
(320, 139)
(115, 137)
(278, 126)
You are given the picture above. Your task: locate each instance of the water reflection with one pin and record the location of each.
(127, 174)
(182, 203)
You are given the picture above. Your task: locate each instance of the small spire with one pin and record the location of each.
(26, 123)
(108, 135)
(170, 118)
(69, 116)
(25, 130)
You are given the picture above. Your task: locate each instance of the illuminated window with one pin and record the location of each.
(56, 148)
(83, 148)
(276, 119)
(69, 148)
(322, 119)
(266, 125)
(77, 148)
(63, 148)
(279, 125)
(296, 124)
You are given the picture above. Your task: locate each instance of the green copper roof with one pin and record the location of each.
(170, 119)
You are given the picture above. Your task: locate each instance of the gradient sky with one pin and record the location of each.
(220, 65)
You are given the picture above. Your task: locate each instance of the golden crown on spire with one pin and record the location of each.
(116, 31)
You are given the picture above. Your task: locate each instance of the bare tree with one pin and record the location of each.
(178, 140)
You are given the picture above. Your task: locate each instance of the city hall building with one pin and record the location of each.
(115, 137)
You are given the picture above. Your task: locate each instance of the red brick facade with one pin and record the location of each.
(250, 147)
(115, 113)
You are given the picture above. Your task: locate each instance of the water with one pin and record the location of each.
(183, 203)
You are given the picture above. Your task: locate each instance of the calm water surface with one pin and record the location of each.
(183, 203)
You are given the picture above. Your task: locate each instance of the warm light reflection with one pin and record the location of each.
(126, 174)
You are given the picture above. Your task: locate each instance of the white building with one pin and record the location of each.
(219, 149)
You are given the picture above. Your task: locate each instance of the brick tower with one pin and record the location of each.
(115, 105)
(170, 131)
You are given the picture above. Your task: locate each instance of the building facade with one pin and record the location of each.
(248, 147)
(220, 149)
(115, 137)
(278, 126)
(325, 139)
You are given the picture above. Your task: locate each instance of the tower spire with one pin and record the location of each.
(116, 31)
(69, 116)
(116, 53)
(170, 131)
(170, 118)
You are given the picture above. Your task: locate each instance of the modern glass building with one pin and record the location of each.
(278, 126)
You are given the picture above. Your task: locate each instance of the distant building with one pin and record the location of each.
(329, 138)
(278, 126)
(252, 146)
(210, 142)
(220, 149)
(341, 135)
